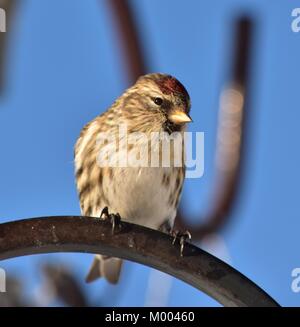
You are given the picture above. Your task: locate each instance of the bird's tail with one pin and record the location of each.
(104, 266)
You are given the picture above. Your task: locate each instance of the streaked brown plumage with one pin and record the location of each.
(147, 196)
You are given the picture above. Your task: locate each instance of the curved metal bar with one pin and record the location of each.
(135, 243)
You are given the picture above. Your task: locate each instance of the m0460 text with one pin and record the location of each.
(171, 316)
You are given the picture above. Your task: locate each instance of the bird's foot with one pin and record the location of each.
(114, 219)
(181, 237)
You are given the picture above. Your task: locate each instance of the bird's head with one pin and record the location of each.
(163, 98)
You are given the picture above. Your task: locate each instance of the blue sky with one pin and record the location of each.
(65, 67)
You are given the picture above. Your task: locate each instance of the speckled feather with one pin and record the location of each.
(147, 196)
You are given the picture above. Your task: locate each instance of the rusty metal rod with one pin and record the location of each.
(135, 243)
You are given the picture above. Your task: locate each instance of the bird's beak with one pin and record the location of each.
(179, 117)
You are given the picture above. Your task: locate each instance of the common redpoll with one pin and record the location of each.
(142, 190)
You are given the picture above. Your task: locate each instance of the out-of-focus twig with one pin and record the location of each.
(230, 140)
(135, 243)
(14, 294)
(130, 39)
(8, 7)
(64, 285)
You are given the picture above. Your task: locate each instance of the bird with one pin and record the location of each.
(144, 194)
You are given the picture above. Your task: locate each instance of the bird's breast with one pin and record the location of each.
(145, 195)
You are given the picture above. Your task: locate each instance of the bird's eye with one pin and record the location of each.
(158, 101)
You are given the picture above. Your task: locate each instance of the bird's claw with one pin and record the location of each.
(104, 213)
(182, 237)
(114, 219)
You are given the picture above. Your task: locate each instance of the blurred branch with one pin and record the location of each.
(231, 124)
(135, 243)
(8, 6)
(230, 140)
(64, 285)
(14, 296)
(129, 36)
